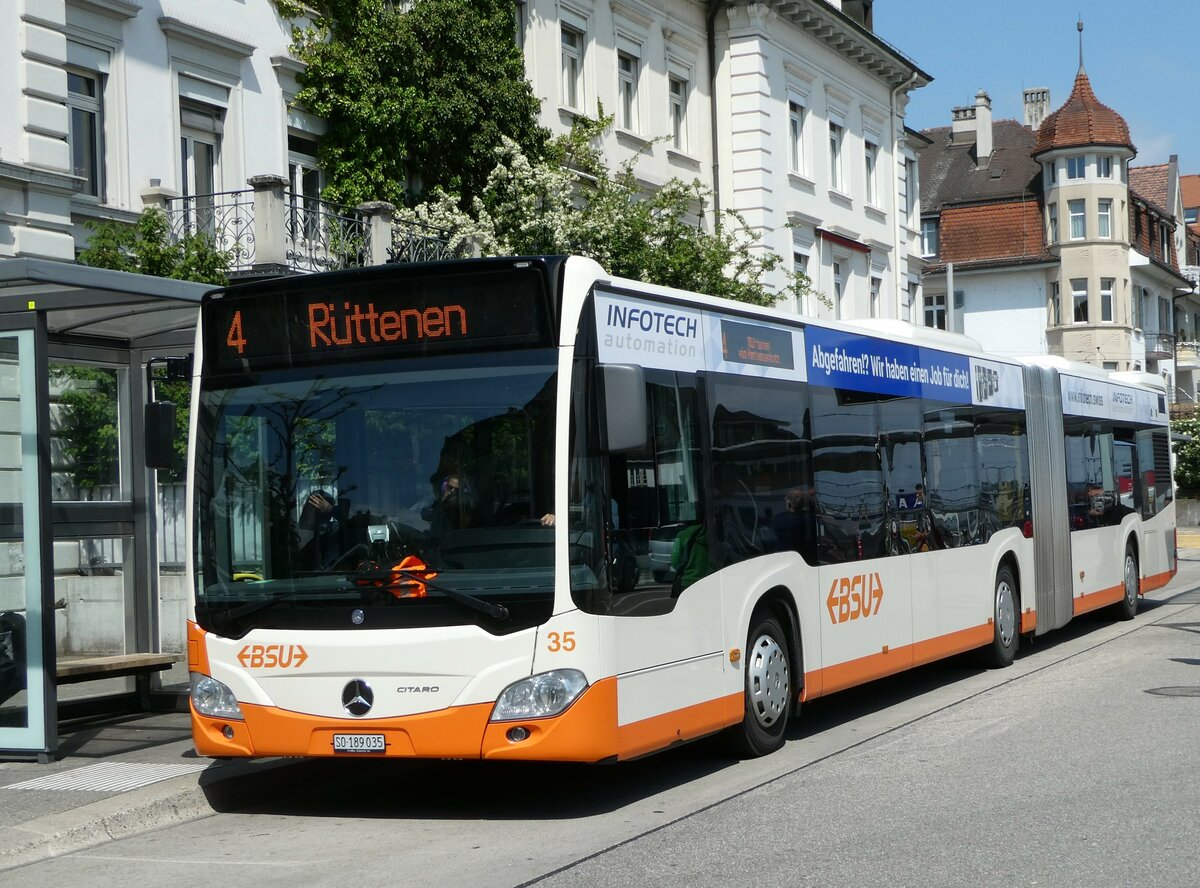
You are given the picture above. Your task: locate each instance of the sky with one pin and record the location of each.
(1136, 54)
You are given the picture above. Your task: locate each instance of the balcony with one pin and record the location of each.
(268, 230)
(1187, 355)
(1159, 345)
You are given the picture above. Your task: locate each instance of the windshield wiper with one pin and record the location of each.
(495, 611)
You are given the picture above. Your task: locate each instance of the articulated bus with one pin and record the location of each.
(520, 509)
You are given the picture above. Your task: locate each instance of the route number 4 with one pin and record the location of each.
(560, 642)
(236, 338)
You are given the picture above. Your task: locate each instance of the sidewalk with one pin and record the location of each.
(114, 778)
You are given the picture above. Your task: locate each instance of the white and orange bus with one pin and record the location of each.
(519, 509)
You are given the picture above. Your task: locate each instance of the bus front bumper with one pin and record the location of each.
(585, 732)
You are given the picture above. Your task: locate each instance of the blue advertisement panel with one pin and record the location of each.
(867, 364)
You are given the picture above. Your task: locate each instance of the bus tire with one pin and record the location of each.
(1127, 607)
(1005, 621)
(768, 689)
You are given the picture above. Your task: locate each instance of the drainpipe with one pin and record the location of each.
(896, 191)
(711, 22)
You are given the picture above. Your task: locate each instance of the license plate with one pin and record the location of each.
(358, 743)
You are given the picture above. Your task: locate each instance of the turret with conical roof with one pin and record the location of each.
(1083, 120)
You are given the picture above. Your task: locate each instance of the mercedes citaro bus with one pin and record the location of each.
(423, 499)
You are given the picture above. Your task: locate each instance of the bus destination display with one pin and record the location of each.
(394, 318)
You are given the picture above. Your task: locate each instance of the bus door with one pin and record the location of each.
(864, 584)
(666, 613)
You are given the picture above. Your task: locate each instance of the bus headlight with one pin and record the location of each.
(212, 698)
(539, 696)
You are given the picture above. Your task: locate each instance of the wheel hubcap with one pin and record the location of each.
(768, 678)
(1006, 613)
(1130, 579)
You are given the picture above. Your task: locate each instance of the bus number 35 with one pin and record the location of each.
(564, 641)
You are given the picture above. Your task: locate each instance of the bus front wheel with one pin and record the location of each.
(1128, 605)
(1005, 621)
(768, 689)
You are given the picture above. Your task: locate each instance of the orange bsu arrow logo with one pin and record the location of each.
(853, 597)
(272, 656)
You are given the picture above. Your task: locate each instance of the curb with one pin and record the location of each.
(166, 803)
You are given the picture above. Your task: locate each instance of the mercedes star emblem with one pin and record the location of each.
(357, 697)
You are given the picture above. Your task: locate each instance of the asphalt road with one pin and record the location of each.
(1064, 770)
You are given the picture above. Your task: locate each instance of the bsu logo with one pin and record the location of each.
(271, 656)
(854, 597)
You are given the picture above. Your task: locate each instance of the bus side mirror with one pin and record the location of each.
(623, 387)
(160, 435)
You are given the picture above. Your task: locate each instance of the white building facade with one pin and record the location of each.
(792, 113)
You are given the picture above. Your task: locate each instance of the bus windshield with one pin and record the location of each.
(406, 493)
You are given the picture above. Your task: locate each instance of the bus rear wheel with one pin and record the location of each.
(1127, 607)
(768, 689)
(1005, 621)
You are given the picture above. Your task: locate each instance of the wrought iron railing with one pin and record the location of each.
(1160, 344)
(414, 242)
(225, 218)
(324, 236)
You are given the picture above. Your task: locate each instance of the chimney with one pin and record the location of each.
(962, 125)
(983, 128)
(1037, 106)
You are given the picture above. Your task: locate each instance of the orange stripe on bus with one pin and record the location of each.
(856, 672)
(660, 731)
(1028, 621)
(1157, 581)
(1095, 600)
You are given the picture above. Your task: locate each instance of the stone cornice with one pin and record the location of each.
(202, 37)
(849, 39)
(117, 9)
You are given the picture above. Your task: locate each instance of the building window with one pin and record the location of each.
(1077, 209)
(1164, 236)
(1079, 300)
(627, 83)
(305, 181)
(1053, 233)
(1191, 215)
(1104, 166)
(86, 129)
(1164, 316)
(836, 135)
(200, 130)
(797, 115)
(1109, 365)
(908, 188)
(1106, 300)
(876, 286)
(1051, 170)
(1055, 305)
(572, 66)
(678, 87)
(800, 267)
(1104, 218)
(1076, 167)
(839, 283)
(870, 163)
(929, 237)
(935, 310)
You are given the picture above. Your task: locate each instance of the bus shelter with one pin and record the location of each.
(91, 541)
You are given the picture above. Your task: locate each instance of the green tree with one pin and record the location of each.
(143, 248)
(1187, 454)
(146, 247)
(415, 96)
(569, 202)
